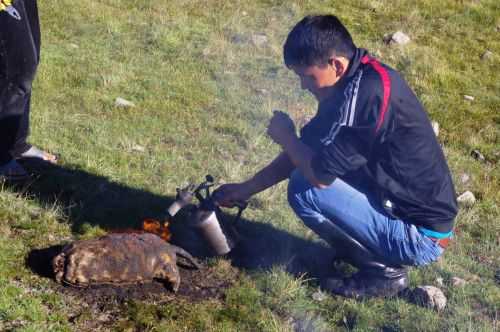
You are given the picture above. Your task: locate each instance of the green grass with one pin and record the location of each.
(203, 102)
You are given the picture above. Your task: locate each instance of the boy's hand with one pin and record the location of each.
(229, 195)
(281, 127)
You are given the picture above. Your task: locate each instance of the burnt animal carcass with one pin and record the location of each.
(119, 259)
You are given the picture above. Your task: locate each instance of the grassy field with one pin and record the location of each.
(204, 88)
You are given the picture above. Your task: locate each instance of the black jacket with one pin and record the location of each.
(373, 133)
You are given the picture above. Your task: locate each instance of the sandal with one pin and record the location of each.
(36, 153)
(13, 172)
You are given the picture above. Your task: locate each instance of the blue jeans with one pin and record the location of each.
(394, 241)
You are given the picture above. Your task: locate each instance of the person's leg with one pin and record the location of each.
(18, 61)
(393, 240)
(8, 130)
(21, 148)
(21, 145)
(365, 235)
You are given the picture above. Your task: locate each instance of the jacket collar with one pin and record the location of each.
(355, 63)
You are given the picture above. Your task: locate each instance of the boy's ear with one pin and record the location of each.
(339, 64)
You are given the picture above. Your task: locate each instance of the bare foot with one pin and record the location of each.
(35, 152)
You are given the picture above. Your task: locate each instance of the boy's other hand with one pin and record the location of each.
(228, 195)
(281, 127)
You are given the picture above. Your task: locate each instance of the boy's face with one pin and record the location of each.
(317, 79)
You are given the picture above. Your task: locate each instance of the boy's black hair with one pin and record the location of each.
(315, 39)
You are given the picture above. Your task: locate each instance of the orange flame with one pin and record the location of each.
(158, 228)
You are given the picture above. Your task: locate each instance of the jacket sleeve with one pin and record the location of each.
(352, 147)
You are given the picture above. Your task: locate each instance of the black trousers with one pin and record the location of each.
(19, 58)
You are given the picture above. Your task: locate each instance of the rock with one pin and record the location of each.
(487, 55)
(435, 127)
(244, 13)
(138, 148)
(120, 102)
(464, 178)
(477, 155)
(467, 97)
(458, 282)
(262, 91)
(399, 38)
(319, 296)
(75, 46)
(429, 297)
(466, 199)
(259, 39)
(440, 281)
(206, 52)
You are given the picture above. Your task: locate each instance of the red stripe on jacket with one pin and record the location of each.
(386, 85)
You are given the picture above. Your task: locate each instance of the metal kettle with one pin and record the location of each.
(221, 239)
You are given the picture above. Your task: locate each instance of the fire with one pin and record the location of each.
(158, 228)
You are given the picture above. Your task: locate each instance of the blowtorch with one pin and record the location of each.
(205, 218)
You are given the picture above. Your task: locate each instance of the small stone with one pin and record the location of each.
(319, 296)
(120, 102)
(435, 127)
(429, 296)
(487, 55)
(458, 282)
(440, 281)
(244, 13)
(259, 39)
(476, 154)
(466, 199)
(262, 91)
(464, 178)
(467, 97)
(400, 38)
(205, 52)
(75, 46)
(138, 148)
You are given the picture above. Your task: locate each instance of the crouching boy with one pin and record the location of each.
(367, 173)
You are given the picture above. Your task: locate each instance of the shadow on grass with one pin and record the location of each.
(40, 260)
(92, 199)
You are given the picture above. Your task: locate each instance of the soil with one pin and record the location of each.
(195, 286)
